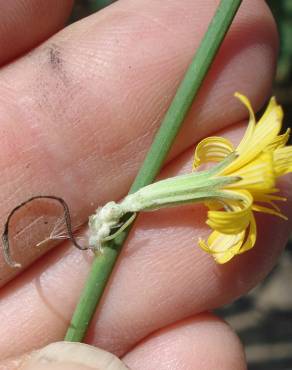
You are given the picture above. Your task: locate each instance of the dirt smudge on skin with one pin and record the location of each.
(55, 57)
(57, 64)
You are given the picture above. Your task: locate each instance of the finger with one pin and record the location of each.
(202, 342)
(81, 110)
(65, 356)
(24, 24)
(162, 277)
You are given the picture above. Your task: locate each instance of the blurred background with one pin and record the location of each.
(262, 318)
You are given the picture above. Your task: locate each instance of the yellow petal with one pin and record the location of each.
(212, 149)
(222, 247)
(280, 141)
(268, 126)
(251, 124)
(264, 134)
(273, 107)
(251, 238)
(270, 211)
(237, 219)
(283, 160)
(257, 175)
(268, 199)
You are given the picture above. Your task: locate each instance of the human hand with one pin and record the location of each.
(79, 111)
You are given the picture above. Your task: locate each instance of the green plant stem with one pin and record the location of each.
(188, 89)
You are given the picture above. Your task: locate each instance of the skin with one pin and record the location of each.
(79, 110)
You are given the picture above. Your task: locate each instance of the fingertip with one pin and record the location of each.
(203, 342)
(71, 356)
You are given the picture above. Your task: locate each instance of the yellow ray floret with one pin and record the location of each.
(261, 158)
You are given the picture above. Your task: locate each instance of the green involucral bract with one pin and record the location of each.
(190, 188)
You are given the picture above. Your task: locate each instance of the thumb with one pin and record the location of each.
(71, 356)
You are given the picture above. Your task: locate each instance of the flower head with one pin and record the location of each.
(261, 158)
(241, 183)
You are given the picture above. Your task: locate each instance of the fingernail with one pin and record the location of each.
(72, 356)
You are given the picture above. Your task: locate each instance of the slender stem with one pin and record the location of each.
(188, 89)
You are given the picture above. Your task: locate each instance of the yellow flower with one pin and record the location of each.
(261, 158)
